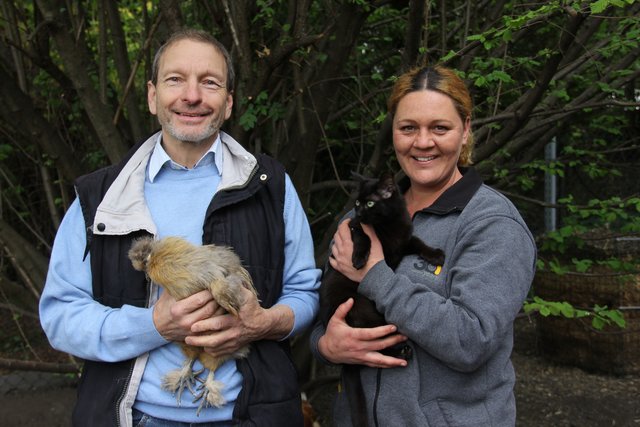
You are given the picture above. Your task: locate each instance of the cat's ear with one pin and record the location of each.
(386, 185)
(358, 177)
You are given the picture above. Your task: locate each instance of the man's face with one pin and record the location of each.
(190, 98)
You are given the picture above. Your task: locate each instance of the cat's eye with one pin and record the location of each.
(370, 204)
(357, 202)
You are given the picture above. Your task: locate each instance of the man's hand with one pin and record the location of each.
(173, 319)
(343, 344)
(222, 335)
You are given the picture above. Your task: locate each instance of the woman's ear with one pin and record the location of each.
(466, 130)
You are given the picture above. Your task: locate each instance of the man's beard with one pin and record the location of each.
(193, 137)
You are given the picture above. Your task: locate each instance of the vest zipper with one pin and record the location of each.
(133, 362)
(124, 393)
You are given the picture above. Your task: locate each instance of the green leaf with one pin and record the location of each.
(480, 81)
(6, 150)
(445, 58)
(599, 6)
(478, 37)
(567, 310)
(248, 120)
(598, 323)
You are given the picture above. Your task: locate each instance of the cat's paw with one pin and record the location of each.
(437, 258)
(433, 256)
(359, 260)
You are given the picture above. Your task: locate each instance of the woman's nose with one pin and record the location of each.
(424, 139)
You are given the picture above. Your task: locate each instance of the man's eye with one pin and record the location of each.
(212, 84)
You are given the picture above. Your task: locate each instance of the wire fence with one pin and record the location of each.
(24, 381)
(27, 361)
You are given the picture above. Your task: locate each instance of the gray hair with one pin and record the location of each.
(199, 36)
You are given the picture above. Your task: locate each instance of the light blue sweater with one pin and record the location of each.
(76, 324)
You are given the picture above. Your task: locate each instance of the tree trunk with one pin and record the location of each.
(76, 60)
(30, 264)
(17, 108)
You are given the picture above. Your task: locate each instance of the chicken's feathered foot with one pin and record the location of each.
(210, 393)
(176, 380)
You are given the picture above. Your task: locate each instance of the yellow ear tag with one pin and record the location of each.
(438, 270)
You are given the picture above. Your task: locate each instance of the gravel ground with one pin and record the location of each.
(548, 395)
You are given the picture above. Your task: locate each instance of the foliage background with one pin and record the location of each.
(312, 86)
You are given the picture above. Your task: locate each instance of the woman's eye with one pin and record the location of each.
(370, 204)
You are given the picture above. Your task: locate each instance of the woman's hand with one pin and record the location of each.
(343, 344)
(342, 252)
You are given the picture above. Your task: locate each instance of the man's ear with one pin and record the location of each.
(229, 106)
(151, 97)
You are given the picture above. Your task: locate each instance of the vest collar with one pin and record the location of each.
(124, 210)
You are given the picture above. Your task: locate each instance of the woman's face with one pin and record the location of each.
(428, 135)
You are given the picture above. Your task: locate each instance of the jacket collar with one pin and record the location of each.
(456, 197)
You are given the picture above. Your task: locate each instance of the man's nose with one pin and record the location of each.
(192, 92)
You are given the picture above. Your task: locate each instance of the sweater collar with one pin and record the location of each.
(456, 197)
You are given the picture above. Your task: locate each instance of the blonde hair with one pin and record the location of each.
(441, 79)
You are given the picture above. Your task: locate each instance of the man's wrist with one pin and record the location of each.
(278, 322)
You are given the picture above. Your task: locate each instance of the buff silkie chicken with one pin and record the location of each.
(184, 269)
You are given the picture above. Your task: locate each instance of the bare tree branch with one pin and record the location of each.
(31, 365)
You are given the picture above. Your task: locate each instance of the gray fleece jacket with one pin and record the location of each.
(459, 319)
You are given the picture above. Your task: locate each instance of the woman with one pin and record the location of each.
(458, 318)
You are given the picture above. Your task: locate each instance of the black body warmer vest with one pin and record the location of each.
(249, 219)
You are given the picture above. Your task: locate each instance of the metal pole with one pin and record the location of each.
(550, 187)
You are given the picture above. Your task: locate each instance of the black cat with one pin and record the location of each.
(380, 205)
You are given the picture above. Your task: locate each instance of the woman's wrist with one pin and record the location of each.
(322, 348)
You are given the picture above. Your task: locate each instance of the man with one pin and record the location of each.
(190, 180)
